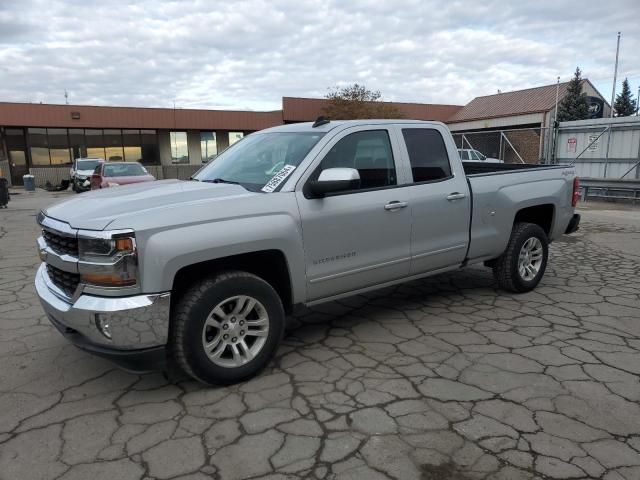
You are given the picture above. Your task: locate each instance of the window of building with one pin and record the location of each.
(77, 143)
(149, 145)
(59, 150)
(234, 137)
(427, 154)
(208, 146)
(113, 145)
(370, 153)
(179, 147)
(38, 146)
(132, 145)
(95, 144)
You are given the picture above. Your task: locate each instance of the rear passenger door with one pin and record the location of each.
(439, 199)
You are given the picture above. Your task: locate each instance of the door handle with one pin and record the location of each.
(456, 196)
(395, 205)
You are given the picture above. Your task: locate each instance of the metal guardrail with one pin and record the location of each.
(610, 189)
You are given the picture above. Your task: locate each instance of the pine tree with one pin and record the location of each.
(624, 105)
(574, 105)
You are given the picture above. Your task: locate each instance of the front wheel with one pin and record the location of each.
(522, 265)
(226, 328)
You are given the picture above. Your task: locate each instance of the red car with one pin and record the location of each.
(112, 174)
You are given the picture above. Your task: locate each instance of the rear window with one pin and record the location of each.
(124, 170)
(88, 164)
(427, 154)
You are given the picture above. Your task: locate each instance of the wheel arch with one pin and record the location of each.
(542, 215)
(269, 265)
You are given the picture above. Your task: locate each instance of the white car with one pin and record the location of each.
(471, 155)
(81, 171)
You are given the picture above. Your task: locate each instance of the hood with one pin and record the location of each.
(96, 209)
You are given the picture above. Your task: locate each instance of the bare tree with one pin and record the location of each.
(356, 102)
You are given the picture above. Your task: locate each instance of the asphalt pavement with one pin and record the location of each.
(444, 378)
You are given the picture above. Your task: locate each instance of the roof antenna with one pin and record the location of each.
(321, 120)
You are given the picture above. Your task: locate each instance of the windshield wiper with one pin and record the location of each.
(222, 180)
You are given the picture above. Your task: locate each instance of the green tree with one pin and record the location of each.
(574, 104)
(356, 102)
(625, 105)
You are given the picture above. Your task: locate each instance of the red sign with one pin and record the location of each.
(572, 144)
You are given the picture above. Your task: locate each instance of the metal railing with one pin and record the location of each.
(610, 189)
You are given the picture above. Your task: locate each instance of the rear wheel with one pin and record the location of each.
(226, 328)
(522, 265)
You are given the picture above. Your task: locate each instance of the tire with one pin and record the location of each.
(203, 305)
(507, 269)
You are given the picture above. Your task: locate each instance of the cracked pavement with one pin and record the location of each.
(443, 378)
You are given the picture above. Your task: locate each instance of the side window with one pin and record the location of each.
(369, 152)
(474, 155)
(464, 155)
(427, 154)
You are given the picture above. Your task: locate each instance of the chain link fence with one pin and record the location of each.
(524, 145)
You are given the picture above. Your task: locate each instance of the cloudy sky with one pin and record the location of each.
(248, 54)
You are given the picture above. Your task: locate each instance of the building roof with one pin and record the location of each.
(519, 102)
(82, 116)
(296, 109)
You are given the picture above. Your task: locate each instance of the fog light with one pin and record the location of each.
(102, 323)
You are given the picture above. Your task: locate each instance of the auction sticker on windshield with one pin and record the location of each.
(278, 178)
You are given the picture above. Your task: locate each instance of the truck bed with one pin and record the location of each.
(500, 190)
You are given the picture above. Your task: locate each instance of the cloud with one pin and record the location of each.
(248, 54)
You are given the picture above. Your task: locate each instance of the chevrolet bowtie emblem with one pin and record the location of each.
(42, 253)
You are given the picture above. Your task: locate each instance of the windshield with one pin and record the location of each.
(124, 170)
(88, 164)
(262, 161)
(479, 155)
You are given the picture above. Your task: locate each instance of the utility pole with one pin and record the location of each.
(615, 76)
(554, 125)
(638, 101)
(66, 97)
(555, 116)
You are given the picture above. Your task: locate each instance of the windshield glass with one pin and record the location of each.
(88, 164)
(480, 155)
(124, 170)
(262, 161)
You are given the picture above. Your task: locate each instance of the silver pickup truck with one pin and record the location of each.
(203, 272)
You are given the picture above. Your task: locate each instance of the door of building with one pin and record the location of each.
(16, 148)
(17, 166)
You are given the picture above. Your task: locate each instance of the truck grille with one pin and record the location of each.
(61, 244)
(65, 281)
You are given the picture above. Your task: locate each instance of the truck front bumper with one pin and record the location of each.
(130, 331)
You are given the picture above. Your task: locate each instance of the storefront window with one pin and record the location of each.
(77, 143)
(149, 144)
(234, 137)
(208, 146)
(113, 145)
(179, 148)
(39, 147)
(132, 145)
(58, 146)
(95, 143)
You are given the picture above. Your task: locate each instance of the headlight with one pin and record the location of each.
(108, 259)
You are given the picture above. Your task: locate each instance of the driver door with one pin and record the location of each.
(358, 238)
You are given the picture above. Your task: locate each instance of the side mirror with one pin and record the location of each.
(334, 180)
